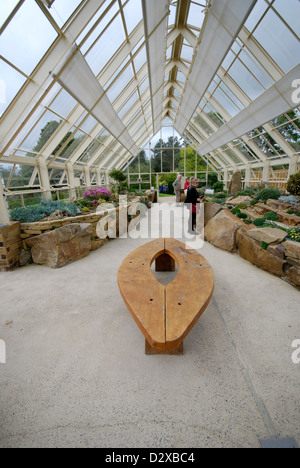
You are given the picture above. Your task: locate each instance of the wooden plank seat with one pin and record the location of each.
(165, 314)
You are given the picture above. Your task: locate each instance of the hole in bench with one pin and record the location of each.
(165, 269)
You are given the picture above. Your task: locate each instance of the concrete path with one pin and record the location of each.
(76, 374)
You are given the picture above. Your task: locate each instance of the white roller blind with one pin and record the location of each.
(78, 79)
(155, 22)
(272, 103)
(225, 19)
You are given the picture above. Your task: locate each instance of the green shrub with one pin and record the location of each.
(271, 216)
(247, 192)
(253, 202)
(247, 221)
(218, 186)
(267, 193)
(259, 222)
(221, 201)
(264, 245)
(32, 214)
(236, 211)
(242, 206)
(290, 211)
(242, 215)
(293, 185)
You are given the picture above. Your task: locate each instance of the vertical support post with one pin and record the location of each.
(71, 180)
(98, 176)
(248, 176)
(266, 171)
(226, 178)
(87, 176)
(44, 179)
(4, 215)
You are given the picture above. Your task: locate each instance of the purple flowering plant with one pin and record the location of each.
(97, 195)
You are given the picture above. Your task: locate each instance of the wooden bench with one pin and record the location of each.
(165, 315)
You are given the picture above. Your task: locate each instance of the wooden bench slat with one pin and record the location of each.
(143, 295)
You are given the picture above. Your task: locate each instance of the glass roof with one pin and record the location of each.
(145, 64)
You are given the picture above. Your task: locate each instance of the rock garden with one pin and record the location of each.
(57, 233)
(261, 224)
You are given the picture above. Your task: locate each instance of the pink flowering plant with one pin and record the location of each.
(95, 196)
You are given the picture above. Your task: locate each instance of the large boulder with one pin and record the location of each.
(251, 250)
(268, 234)
(61, 246)
(235, 184)
(221, 230)
(211, 209)
(241, 199)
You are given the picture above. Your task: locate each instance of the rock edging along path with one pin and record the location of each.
(265, 247)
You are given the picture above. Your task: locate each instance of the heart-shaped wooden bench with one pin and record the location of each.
(165, 314)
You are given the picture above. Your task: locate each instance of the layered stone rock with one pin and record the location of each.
(267, 234)
(221, 230)
(61, 246)
(251, 250)
(210, 210)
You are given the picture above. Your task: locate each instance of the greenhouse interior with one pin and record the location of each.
(149, 224)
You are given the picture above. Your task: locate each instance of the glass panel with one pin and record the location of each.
(196, 16)
(76, 140)
(63, 104)
(256, 14)
(140, 59)
(245, 80)
(290, 12)
(101, 26)
(225, 102)
(10, 83)
(21, 176)
(187, 52)
(42, 132)
(6, 9)
(249, 60)
(25, 45)
(89, 124)
(131, 101)
(172, 15)
(133, 14)
(278, 41)
(5, 171)
(106, 46)
(63, 9)
(120, 84)
(144, 86)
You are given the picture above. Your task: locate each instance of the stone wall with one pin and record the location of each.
(10, 242)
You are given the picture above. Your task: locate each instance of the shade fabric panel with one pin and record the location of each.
(225, 20)
(273, 102)
(78, 79)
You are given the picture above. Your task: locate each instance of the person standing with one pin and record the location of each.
(187, 183)
(177, 188)
(193, 200)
